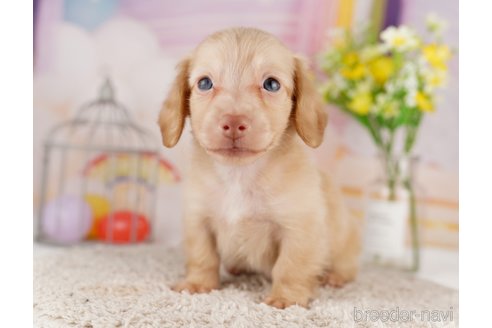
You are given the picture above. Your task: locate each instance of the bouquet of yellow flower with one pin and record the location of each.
(387, 85)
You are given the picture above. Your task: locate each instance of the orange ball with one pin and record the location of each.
(119, 231)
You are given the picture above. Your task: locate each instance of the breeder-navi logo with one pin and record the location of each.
(399, 315)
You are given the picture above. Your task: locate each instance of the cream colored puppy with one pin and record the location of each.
(254, 200)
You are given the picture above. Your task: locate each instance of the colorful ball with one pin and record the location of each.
(100, 207)
(117, 227)
(66, 219)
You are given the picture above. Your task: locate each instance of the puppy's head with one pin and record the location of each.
(242, 89)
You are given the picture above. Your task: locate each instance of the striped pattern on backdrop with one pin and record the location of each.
(180, 25)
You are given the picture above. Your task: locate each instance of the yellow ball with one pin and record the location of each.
(100, 207)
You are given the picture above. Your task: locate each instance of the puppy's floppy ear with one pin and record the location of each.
(310, 118)
(176, 106)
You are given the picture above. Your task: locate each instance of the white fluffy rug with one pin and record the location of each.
(127, 286)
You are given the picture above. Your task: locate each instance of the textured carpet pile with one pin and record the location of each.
(127, 286)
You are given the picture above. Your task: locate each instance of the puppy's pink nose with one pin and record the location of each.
(234, 126)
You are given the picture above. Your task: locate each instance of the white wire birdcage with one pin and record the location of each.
(102, 152)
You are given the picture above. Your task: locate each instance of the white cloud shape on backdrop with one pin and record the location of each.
(73, 65)
(123, 49)
(124, 44)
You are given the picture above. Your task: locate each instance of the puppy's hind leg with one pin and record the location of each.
(345, 264)
(299, 263)
(339, 274)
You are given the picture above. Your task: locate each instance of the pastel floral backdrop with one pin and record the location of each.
(138, 43)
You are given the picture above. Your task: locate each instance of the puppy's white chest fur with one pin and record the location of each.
(238, 195)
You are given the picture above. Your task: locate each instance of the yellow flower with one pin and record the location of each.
(381, 69)
(361, 103)
(353, 69)
(350, 59)
(354, 73)
(437, 55)
(423, 102)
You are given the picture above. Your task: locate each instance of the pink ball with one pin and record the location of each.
(67, 219)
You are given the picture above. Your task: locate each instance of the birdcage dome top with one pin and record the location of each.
(103, 124)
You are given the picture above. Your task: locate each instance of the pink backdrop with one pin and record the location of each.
(138, 43)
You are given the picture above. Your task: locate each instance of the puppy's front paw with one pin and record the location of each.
(192, 287)
(282, 303)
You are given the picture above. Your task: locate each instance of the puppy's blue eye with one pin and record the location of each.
(271, 84)
(205, 84)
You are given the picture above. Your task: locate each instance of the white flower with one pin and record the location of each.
(391, 86)
(399, 38)
(385, 105)
(410, 98)
(435, 78)
(381, 99)
(409, 68)
(436, 24)
(363, 86)
(330, 60)
(406, 81)
(409, 76)
(410, 86)
(334, 86)
(339, 81)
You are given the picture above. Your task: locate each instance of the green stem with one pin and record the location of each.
(374, 130)
(414, 227)
(410, 139)
(386, 147)
(391, 165)
(412, 132)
